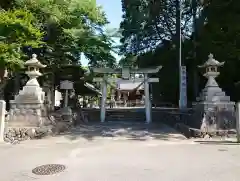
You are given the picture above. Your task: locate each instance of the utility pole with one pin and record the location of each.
(179, 46)
(195, 34)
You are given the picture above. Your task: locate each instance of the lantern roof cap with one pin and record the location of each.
(211, 62)
(34, 62)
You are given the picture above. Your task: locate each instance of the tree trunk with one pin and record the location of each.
(2, 87)
(16, 83)
(178, 41)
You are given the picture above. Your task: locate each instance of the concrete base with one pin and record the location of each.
(67, 114)
(220, 114)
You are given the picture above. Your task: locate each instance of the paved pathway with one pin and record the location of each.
(114, 159)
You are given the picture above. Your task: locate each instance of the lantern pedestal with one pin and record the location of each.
(214, 110)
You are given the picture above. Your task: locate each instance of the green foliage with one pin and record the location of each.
(129, 60)
(58, 31)
(150, 32)
(17, 29)
(221, 35)
(111, 86)
(150, 38)
(71, 27)
(147, 23)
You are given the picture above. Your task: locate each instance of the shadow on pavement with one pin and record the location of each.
(218, 142)
(129, 131)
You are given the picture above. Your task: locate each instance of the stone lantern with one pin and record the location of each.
(27, 109)
(211, 98)
(32, 91)
(33, 66)
(211, 67)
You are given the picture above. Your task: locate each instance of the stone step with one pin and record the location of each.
(129, 113)
(125, 115)
(136, 115)
(124, 119)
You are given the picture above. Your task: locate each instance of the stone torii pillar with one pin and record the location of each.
(103, 81)
(103, 99)
(147, 101)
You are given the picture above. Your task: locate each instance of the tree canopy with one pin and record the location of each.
(150, 36)
(60, 32)
(68, 29)
(17, 30)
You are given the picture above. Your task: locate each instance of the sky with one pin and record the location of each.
(113, 10)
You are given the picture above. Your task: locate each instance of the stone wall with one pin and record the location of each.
(21, 134)
(20, 124)
(55, 126)
(2, 119)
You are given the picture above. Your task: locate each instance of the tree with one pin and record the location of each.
(220, 36)
(129, 60)
(147, 23)
(72, 28)
(148, 28)
(17, 29)
(69, 29)
(152, 39)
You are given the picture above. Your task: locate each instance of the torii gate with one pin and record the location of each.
(126, 75)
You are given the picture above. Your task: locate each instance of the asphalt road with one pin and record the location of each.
(122, 159)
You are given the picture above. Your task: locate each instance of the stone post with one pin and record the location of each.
(113, 102)
(47, 90)
(66, 111)
(125, 99)
(148, 105)
(2, 119)
(103, 100)
(66, 85)
(238, 121)
(66, 99)
(118, 95)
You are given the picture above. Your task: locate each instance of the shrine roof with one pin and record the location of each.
(85, 88)
(129, 85)
(92, 88)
